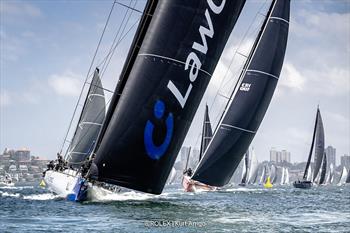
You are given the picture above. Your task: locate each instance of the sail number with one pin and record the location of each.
(245, 87)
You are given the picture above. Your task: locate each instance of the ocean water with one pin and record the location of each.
(237, 209)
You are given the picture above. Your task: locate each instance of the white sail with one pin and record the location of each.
(172, 176)
(309, 174)
(331, 173)
(262, 178)
(282, 178)
(244, 170)
(253, 168)
(344, 175)
(286, 180)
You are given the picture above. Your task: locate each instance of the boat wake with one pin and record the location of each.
(42, 197)
(6, 194)
(123, 196)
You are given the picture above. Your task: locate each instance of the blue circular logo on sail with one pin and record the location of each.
(154, 151)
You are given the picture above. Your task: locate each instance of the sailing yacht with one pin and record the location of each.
(318, 143)
(207, 133)
(164, 77)
(249, 101)
(245, 169)
(343, 176)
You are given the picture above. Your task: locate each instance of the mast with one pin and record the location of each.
(311, 149)
(249, 101)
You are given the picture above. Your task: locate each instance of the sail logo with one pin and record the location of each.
(153, 151)
(193, 64)
(192, 61)
(245, 87)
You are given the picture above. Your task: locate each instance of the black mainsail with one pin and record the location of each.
(207, 132)
(89, 124)
(174, 53)
(319, 144)
(244, 112)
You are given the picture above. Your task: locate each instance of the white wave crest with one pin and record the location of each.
(41, 197)
(6, 194)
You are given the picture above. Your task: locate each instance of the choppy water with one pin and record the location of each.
(252, 209)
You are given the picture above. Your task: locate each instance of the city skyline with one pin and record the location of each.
(46, 49)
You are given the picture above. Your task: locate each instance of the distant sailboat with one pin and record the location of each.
(318, 143)
(273, 174)
(207, 133)
(331, 174)
(172, 176)
(343, 176)
(245, 169)
(268, 183)
(348, 178)
(286, 178)
(253, 168)
(263, 176)
(249, 101)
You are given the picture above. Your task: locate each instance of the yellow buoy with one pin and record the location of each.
(42, 183)
(268, 183)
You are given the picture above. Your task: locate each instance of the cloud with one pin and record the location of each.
(67, 84)
(291, 78)
(4, 98)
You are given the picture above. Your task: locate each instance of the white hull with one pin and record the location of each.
(63, 183)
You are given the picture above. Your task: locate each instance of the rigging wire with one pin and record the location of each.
(105, 65)
(233, 58)
(120, 38)
(87, 76)
(229, 67)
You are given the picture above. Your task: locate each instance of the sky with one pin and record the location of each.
(46, 48)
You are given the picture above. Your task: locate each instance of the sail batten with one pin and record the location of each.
(249, 101)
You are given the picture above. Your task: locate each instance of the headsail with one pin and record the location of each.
(245, 168)
(253, 168)
(249, 101)
(89, 124)
(174, 53)
(273, 174)
(282, 177)
(343, 176)
(207, 132)
(331, 174)
(263, 176)
(323, 170)
(286, 179)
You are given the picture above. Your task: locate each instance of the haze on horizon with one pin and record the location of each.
(46, 49)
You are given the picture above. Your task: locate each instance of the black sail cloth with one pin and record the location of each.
(89, 125)
(246, 110)
(168, 74)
